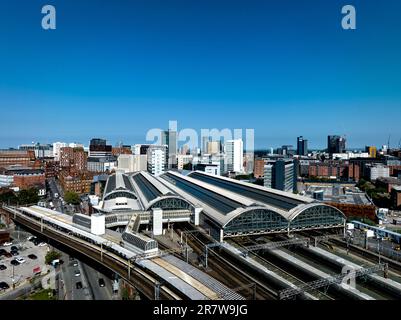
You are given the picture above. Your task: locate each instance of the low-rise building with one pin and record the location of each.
(17, 157)
(21, 177)
(183, 159)
(387, 183)
(396, 197)
(79, 183)
(101, 164)
(132, 162)
(377, 171)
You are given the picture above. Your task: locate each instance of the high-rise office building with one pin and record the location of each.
(56, 149)
(213, 147)
(157, 163)
(302, 146)
(372, 151)
(169, 138)
(335, 144)
(280, 175)
(234, 157)
(205, 142)
(98, 148)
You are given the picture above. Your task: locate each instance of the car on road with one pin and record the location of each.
(101, 282)
(20, 259)
(77, 273)
(7, 244)
(3, 267)
(32, 256)
(78, 285)
(14, 262)
(4, 285)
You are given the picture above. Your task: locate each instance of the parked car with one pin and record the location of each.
(20, 259)
(32, 238)
(14, 262)
(7, 244)
(32, 256)
(75, 264)
(78, 285)
(3, 267)
(77, 273)
(101, 282)
(42, 244)
(14, 248)
(14, 253)
(4, 285)
(8, 255)
(3, 252)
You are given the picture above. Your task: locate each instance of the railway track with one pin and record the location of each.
(226, 270)
(138, 278)
(278, 270)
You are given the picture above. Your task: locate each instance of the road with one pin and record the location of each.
(69, 280)
(93, 276)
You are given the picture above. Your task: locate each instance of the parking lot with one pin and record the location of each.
(20, 273)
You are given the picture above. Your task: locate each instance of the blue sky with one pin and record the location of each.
(115, 69)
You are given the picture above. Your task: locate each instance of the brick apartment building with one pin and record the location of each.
(21, 177)
(259, 168)
(24, 158)
(78, 182)
(328, 169)
(75, 159)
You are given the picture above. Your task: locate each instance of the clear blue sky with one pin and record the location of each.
(115, 69)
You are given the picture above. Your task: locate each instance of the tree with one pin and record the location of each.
(52, 255)
(72, 197)
(28, 196)
(8, 196)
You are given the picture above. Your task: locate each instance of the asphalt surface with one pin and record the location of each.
(98, 292)
(89, 278)
(69, 280)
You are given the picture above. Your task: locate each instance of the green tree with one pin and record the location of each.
(71, 197)
(52, 255)
(8, 196)
(28, 196)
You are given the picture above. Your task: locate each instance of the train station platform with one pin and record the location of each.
(389, 284)
(318, 274)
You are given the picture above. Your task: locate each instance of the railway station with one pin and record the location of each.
(143, 195)
(233, 208)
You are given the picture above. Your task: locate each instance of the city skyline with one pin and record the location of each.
(281, 70)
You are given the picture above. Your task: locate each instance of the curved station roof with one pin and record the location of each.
(139, 191)
(239, 207)
(230, 205)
